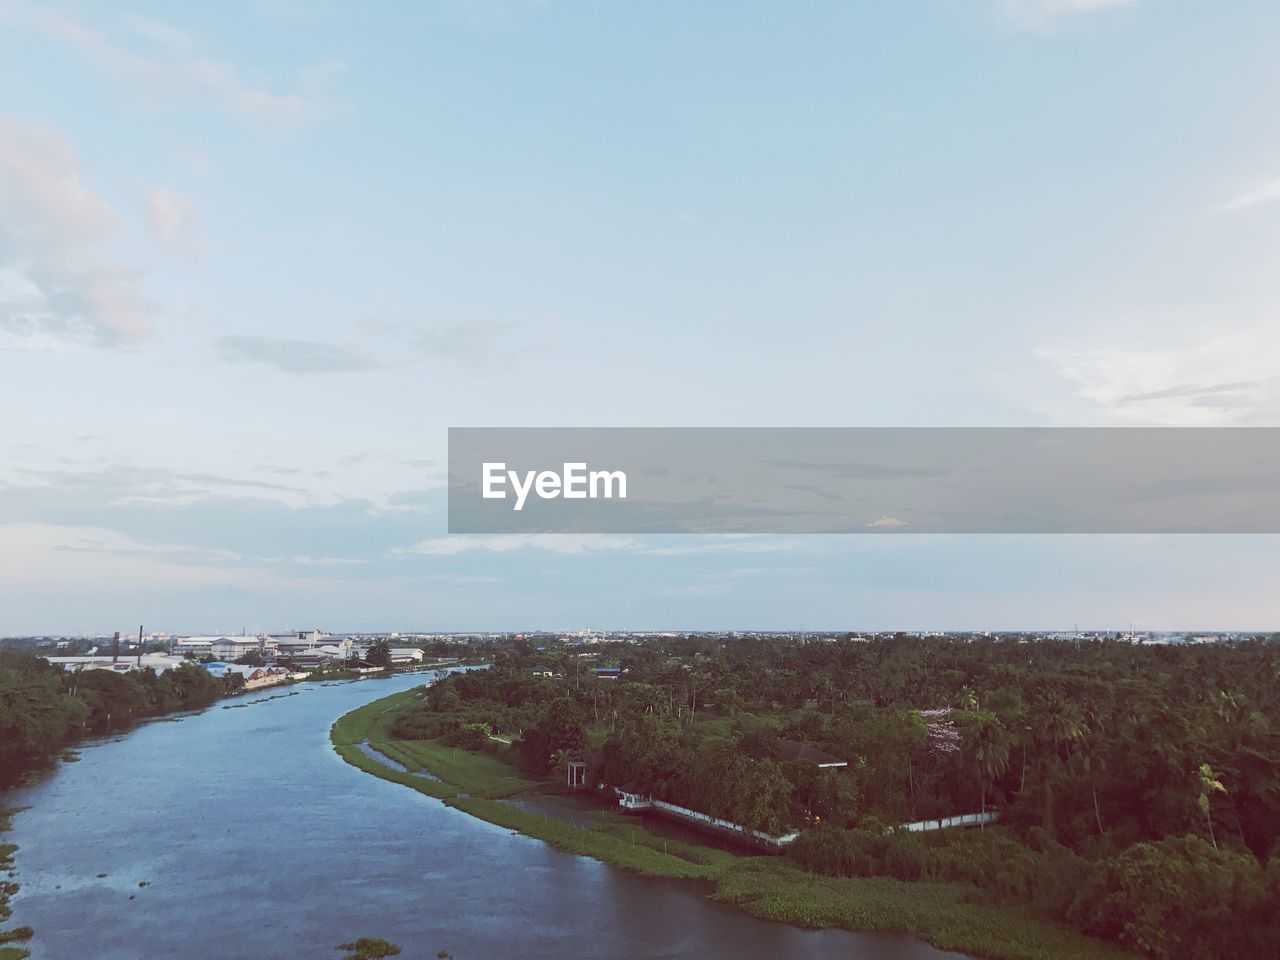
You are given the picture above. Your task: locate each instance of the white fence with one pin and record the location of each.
(635, 801)
(963, 820)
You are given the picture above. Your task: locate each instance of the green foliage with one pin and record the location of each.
(1181, 899)
(942, 913)
(1095, 753)
(36, 714)
(559, 731)
(41, 708)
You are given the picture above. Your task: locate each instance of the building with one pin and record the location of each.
(194, 646)
(233, 648)
(255, 678)
(301, 641)
(405, 656)
(220, 646)
(158, 662)
(794, 750)
(607, 673)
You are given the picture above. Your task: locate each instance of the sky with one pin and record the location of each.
(256, 257)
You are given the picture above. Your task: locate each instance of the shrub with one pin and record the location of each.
(1181, 899)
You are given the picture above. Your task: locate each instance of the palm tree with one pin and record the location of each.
(1091, 759)
(990, 754)
(1061, 722)
(1209, 785)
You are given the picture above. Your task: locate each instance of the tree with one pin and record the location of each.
(1209, 784)
(559, 730)
(989, 753)
(36, 716)
(1179, 899)
(379, 655)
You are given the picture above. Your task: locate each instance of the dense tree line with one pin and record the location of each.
(42, 707)
(1113, 764)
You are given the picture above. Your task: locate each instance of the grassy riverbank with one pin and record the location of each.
(950, 916)
(7, 889)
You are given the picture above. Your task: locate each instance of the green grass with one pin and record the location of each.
(474, 773)
(948, 915)
(640, 852)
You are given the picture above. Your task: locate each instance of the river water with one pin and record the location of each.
(255, 842)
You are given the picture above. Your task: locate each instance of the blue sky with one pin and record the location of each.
(256, 257)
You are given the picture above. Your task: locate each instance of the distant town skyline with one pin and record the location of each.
(256, 258)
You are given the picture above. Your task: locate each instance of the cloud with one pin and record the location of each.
(470, 342)
(222, 519)
(1265, 193)
(295, 356)
(1206, 380)
(174, 220)
(860, 471)
(887, 523)
(555, 543)
(1040, 13)
(160, 64)
(54, 279)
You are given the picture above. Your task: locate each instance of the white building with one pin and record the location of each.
(299, 641)
(232, 648)
(194, 646)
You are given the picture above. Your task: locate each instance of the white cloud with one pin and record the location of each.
(53, 233)
(1205, 380)
(168, 67)
(888, 522)
(174, 220)
(295, 356)
(1265, 193)
(555, 543)
(1040, 13)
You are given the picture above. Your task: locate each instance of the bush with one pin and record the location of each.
(1180, 899)
(468, 736)
(861, 853)
(419, 725)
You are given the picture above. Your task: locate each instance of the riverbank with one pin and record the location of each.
(949, 916)
(7, 889)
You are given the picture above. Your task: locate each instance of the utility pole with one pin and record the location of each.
(139, 646)
(115, 648)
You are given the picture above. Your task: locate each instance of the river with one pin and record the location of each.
(255, 842)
